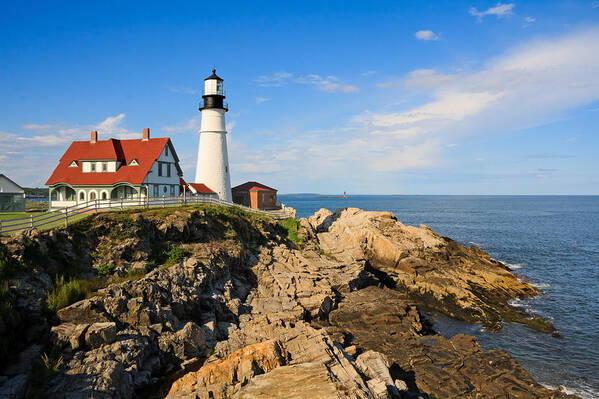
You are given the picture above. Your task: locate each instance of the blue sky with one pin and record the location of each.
(402, 97)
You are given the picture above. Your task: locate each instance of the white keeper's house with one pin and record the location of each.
(115, 169)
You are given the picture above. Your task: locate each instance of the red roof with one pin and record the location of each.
(252, 186)
(145, 152)
(199, 187)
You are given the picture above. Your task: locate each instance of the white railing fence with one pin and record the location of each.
(61, 215)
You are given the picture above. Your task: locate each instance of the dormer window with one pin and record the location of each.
(73, 164)
(134, 162)
(104, 166)
(93, 166)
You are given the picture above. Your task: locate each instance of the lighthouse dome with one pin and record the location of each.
(214, 76)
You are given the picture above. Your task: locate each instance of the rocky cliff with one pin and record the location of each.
(204, 302)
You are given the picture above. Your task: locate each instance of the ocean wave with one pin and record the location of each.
(585, 392)
(540, 286)
(518, 303)
(514, 266)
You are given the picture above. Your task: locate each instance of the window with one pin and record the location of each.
(104, 166)
(93, 165)
(156, 194)
(104, 195)
(92, 195)
(159, 168)
(172, 191)
(226, 169)
(168, 170)
(81, 195)
(166, 150)
(164, 189)
(54, 195)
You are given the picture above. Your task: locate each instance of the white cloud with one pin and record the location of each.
(528, 85)
(329, 84)
(528, 22)
(260, 100)
(426, 35)
(184, 90)
(368, 73)
(27, 154)
(191, 126)
(36, 126)
(499, 10)
(275, 80)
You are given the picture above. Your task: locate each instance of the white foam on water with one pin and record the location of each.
(514, 266)
(540, 285)
(584, 392)
(518, 303)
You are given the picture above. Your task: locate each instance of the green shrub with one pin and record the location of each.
(291, 226)
(174, 254)
(65, 293)
(106, 269)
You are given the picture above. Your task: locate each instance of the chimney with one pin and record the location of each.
(146, 135)
(94, 137)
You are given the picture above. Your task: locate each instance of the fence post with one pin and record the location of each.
(163, 205)
(66, 216)
(31, 218)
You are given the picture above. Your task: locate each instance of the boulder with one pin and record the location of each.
(222, 376)
(99, 334)
(187, 343)
(69, 335)
(82, 312)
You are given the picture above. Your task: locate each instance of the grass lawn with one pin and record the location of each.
(16, 215)
(57, 223)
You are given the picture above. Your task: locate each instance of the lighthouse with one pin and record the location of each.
(212, 168)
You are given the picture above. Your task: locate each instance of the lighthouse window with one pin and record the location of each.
(219, 87)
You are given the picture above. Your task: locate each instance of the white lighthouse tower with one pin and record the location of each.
(212, 168)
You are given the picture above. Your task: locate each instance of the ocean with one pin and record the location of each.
(553, 241)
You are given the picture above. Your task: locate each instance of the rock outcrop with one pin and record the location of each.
(228, 307)
(434, 271)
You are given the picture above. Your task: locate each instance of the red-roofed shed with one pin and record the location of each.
(255, 195)
(196, 189)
